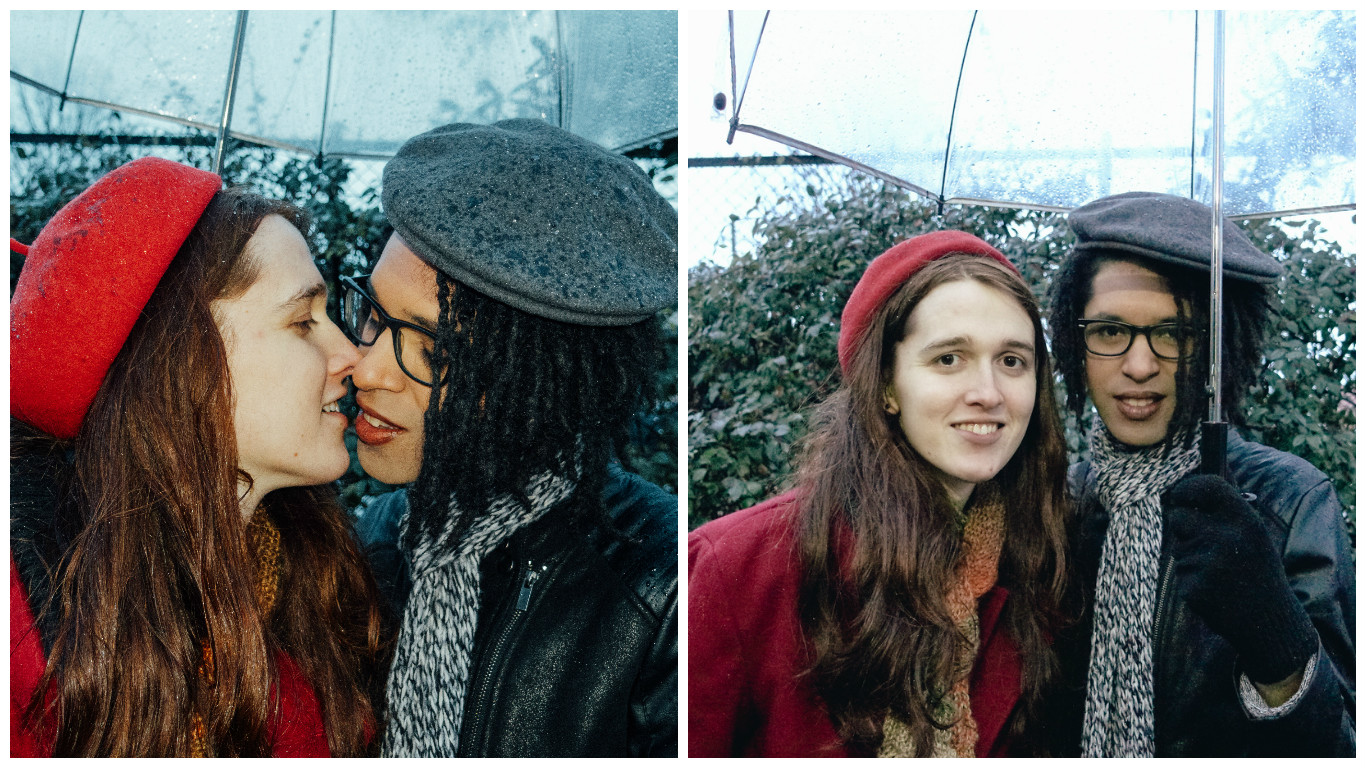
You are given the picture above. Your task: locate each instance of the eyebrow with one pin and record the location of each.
(1118, 319)
(305, 296)
(959, 341)
(422, 321)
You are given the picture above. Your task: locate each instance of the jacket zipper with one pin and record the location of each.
(475, 714)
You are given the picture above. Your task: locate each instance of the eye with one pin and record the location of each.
(1013, 361)
(947, 360)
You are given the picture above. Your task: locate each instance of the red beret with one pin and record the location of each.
(87, 278)
(891, 270)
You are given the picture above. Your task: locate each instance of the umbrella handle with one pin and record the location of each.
(1214, 448)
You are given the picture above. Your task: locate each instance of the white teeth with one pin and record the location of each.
(333, 407)
(376, 422)
(979, 429)
(1138, 402)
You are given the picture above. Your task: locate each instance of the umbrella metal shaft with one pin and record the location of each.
(1214, 440)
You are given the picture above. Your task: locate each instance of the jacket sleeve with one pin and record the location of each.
(1320, 568)
(654, 701)
(717, 684)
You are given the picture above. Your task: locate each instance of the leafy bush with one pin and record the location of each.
(762, 334)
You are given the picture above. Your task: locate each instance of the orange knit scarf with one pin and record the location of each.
(975, 574)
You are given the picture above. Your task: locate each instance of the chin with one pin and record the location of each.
(384, 471)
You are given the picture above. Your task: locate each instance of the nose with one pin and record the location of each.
(342, 355)
(377, 368)
(984, 390)
(1140, 364)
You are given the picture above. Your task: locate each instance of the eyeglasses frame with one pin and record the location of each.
(387, 324)
(1134, 332)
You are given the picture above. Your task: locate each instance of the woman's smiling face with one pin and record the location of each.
(287, 361)
(963, 382)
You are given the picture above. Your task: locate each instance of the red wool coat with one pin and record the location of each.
(298, 733)
(745, 647)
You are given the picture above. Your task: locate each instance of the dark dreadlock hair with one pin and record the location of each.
(1245, 323)
(520, 395)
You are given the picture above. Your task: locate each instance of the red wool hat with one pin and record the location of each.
(889, 271)
(87, 278)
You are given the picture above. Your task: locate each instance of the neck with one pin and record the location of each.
(250, 497)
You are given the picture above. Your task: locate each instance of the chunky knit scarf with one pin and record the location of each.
(431, 667)
(1119, 685)
(264, 540)
(975, 573)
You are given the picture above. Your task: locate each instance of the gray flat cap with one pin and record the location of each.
(1168, 228)
(537, 218)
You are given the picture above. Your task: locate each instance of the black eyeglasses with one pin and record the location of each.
(365, 321)
(1111, 338)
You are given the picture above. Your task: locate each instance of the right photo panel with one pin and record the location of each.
(1021, 383)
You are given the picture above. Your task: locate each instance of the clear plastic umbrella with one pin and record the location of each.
(1253, 114)
(358, 83)
(1040, 109)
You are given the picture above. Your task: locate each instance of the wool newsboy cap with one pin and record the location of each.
(85, 282)
(891, 270)
(1168, 228)
(537, 218)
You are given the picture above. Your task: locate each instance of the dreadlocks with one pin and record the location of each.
(521, 395)
(1245, 322)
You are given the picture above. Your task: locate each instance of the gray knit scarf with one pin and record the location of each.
(431, 668)
(1119, 684)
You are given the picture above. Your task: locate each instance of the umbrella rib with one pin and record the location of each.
(834, 157)
(71, 61)
(740, 97)
(957, 88)
(327, 84)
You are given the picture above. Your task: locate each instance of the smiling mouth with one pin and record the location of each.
(978, 428)
(1137, 402)
(374, 422)
(332, 407)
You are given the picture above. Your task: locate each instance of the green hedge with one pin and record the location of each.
(762, 333)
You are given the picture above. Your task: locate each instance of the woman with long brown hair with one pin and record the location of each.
(182, 579)
(900, 599)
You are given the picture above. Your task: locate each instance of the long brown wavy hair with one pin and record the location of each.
(878, 539)
(155, 573)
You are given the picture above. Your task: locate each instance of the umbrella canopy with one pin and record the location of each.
(1052, 109)
(358, 83)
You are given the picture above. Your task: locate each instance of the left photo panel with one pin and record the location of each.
(344, 383)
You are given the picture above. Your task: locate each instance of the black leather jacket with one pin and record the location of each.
(1197, 708)
(580, 658)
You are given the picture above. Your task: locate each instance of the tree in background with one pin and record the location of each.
(762, 333)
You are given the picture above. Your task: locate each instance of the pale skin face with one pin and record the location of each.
(394, 405)
(1134, 393)
(287, 362)
(963, 382)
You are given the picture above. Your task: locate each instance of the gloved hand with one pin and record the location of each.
(1233, 578)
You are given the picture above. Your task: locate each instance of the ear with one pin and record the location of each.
(889, 403)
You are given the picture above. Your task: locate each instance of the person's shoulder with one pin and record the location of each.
(647, 517)
(760, 532)
(377, 526)
(1280, 482)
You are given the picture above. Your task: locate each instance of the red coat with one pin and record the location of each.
(298, 733)
(745, 647)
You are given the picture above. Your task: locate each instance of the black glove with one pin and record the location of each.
(1233, 578)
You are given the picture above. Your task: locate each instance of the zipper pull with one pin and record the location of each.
(529, 578)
